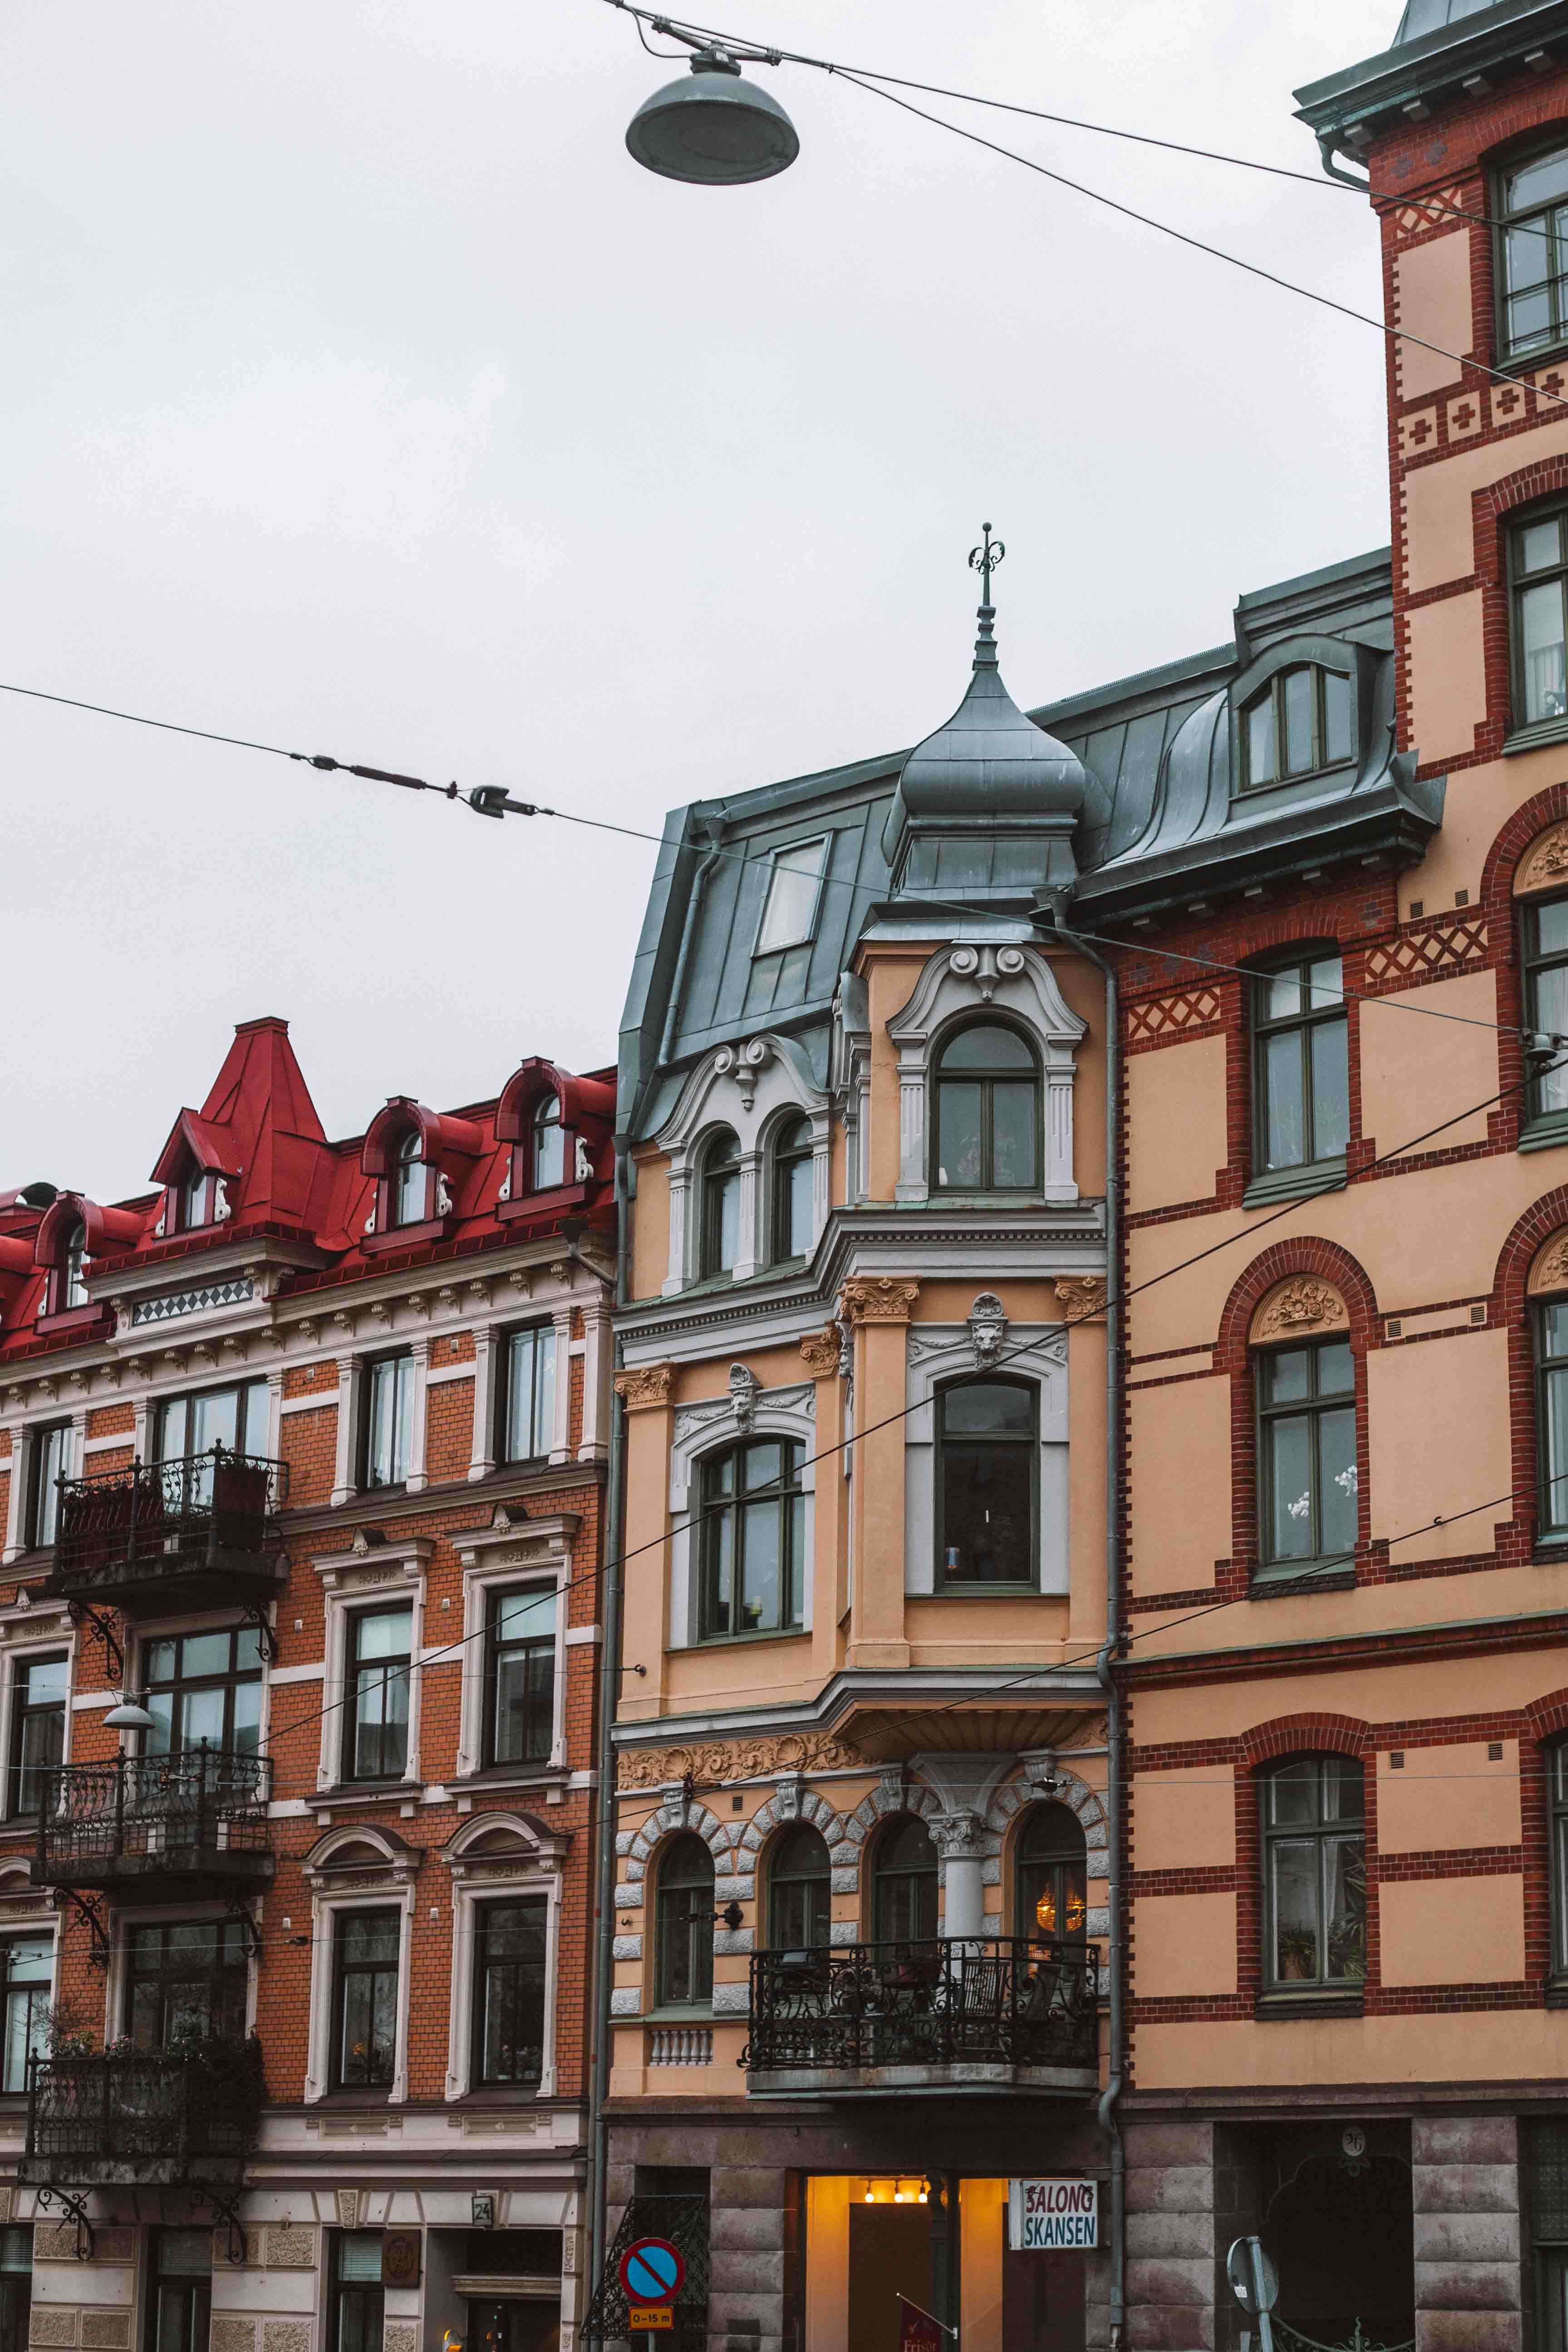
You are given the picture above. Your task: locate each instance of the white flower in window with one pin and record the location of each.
(1301, 1507)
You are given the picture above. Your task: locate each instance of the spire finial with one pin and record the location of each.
(984, 560)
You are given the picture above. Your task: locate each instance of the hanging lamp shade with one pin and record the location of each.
(712, 128)
(129, 1714)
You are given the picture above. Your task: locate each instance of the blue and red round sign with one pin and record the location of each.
(652, 2271)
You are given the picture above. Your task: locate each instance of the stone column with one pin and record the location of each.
(1171, 2247)
(1465, 2200)
(963, 1782)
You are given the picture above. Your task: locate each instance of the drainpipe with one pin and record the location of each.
(1051, 908)
(1328, 141)
(714, 827)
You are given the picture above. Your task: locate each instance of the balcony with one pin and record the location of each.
(970, 2014)
(193, 1822)
(162, 1537)
(153, 2119)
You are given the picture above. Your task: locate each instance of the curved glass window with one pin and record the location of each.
(1050, 1876)
(1302, 720)
(683, 1952)
(549, 1145)
(410, 1183)
(720, 1204)
(1314, 1872)
(753, 1539)
(73, 1264)
(986, 1463)
(904, 1883)
(800, 1887)
(792, 1190)
(986, 1135)
(1302, 1066)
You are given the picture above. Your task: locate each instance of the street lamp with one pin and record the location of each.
(128, 1714)
(713, 129)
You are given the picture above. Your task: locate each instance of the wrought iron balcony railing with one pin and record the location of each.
(160, 2118)
(952, 2005)
(127, 1535)
(200, 1814)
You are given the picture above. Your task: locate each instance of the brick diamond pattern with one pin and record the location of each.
(1163, 1015)
(1420, 955)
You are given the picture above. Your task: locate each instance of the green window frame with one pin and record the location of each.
(751, 1541)
(1300, 1063)
(986, 1112)
(1543, 955)
(1557, 1857)
(683, 1920)
(1309, 1485)
(1313, 1819)
(718, 1204)
(1299, 724)
(792, 1184)
(1537, 545)
(1530, 206)
(988, 1487)
(1552, 1414)
(904, 1883)
(800, 1891)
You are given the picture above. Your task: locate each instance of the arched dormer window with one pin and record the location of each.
(411, 1180)
(1302, 720)
(74, 1232)
(549, 1145)
(987, 1114)
(73, 1268)
(1050, 1896)
(791, 1191)
(719, 1203)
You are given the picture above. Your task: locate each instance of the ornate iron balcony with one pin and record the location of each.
(197, 1816)
(158, 2118)
(1001, 2011)
(163, 1534)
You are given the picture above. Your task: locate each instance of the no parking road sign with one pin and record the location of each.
(652, 2271)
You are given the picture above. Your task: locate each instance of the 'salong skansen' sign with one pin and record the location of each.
(1043, 2215)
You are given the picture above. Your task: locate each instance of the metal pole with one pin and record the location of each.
(1255, 2260)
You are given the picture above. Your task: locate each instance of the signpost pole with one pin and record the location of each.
(1260, 2296)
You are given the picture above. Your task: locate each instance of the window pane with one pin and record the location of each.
(1551, 927)
(959, 1117)
(385, 1634)
(530, 1394)
(549, 1145)
(1335, 1369)
(1555, 1329)
(358, 2256)
(726, 1215)
(1299, 747)
(1014, 1158)
(1331, 1089)
(1344, 1907)
(791, 903)
(1287, 1375)
(1261, 768)
(1325, 982)
(1542, 650)
(720, 1571)
(987, 1045)
(1284, 1122)
(1337, 1482)
(1555, 1403)
(1282, 995)
(1290, 1450)
(1549, 1002)
(1339, 734)
(988, 1405)
(1541, 544)
(1344, 1795)
(795, 1239)
(763, 1466)
(1530, 318)
(1293, 1875)
(760, 1536)
(1537, 182)
(987, 1507)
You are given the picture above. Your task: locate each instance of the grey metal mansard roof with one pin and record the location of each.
(1440, 46)
(1134, 801)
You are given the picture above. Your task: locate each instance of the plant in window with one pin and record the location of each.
(1301, 1081)
(986, 1134)
(1314, 1866)
(1310, 1484)
(789, 911)
(718, 1204)
(1301, 720)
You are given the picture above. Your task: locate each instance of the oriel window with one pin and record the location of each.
(1306, 1403)
(1538, 576)
(365, 2001)
(1051, 1885)
(527, 1418)
(903, 1882)
(800, 1891)
(1314, 1869)
(388, 1421)
(380, 1664)
(520, 1688)
(1303, 1069)
(987, 1115)
(719, 1203)
(509, 2008)
(1533, 200)
(1301, 721)
(987, 1464)
(683, 1961)
(185, 1981)
(29, 1966)
(40, 1692)
(549, 1145)
(751, 1539)
(792, 1188)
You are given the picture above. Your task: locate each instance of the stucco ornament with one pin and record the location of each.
(988, 1328)
(649, 1384)
(737, 1760)
(1081, 1297)
(820, 1350)
(958, 1835)
(876, 1298)
(1549, 1271)
(745, 1064)
(743, 1387)
(1302, 1304)
(1544, 863)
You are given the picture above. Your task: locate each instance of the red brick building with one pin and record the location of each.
(303, 1449)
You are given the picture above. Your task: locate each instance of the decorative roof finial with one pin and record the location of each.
(984, 560)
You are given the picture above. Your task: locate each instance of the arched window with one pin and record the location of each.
(800, 1886)
(752, 1540)
(1309, 1483)
(73, 1268)
(410, 1183)
(1552, 1412)
(549, 1145)
(1301, 721)
(1050, 1876)
(1314, 1872)
(791, 1180)
(986, 1127)
(1545, 960)
(719, 1203)
(988, 1460)
(683, 1949)
(194, 1196)
(904, 1883)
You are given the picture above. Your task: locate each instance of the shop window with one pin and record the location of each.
(752, 1540)
(40, 1690)
(185, 1981)
(1309, 1482)
(527, 1397)
(1545, 959)
(791, 1191)
(1301, 721)
(375, 1729)
(549, 1145)
(357, 2313)
(519, 1636)
(50, 1463)
(987, 1458)
(1314, 1874)
(179, 2304)
(509, 1991)
(903, 1882)
(205, 1690)
(1302, 1066)
(986, 1133)
(1050, 1876)
(800, 1891)
(683, 1956)
(29, 1967)
(365, 2001)
(1538, 594)
(388, 1421)
(718, 1204)
(1532, 202)
(16, 2288)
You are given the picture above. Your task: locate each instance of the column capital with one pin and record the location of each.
(876, 1298)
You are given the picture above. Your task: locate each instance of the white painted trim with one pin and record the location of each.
(707, 1428)
(530, 1552)
(121, 1442)
(444, 1372)
(353, 1582)
(530, 1870)
(418, 1419)
(938, 1352)
(320, 1401)
(327, 1908)
(749, 1087)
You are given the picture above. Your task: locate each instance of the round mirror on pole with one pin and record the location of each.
(713, 130)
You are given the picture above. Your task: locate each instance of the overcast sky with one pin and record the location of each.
(361, 396)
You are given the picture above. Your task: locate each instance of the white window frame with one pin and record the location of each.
(28, 1910)
(822, 842)
(25, 1634)
(25, 1438)
(1036, 1354)
(701, 1429)
(494, 1558)
(393, 1890)
(534, 1869)
(747, 1087)
(368, 1577)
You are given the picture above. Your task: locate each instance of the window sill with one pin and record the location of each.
(500, 2094)
(1541, 731)
(1545, 1132)
(363, 1792)
(1280, 1582)
(1012, 1587)
(761, 1634)
(372, 2102)
(490, 1777)
(1557, 1992)
(690, 2013)
(1294, 1183)
(1293, 2006)
(1331, 769)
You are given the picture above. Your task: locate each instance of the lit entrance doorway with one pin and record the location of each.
(942, 2242)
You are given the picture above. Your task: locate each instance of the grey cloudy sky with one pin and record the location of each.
(361, 396)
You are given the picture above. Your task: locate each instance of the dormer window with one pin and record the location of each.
(195, 1200)
(73, 1268)
(549, 1145)
(1302, 720)
(411, 1181)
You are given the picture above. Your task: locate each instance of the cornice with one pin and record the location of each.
(912, 1687)
(371, 1510)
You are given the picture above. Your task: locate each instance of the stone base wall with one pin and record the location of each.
(1468, 2270)
(1171, 2236)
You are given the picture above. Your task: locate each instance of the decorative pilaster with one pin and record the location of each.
(418, 1476)
(482, 1448)
(679, 1204)
(343, 1480)
(649, 1386)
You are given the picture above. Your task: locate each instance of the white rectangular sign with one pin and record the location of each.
(1045, 2214)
